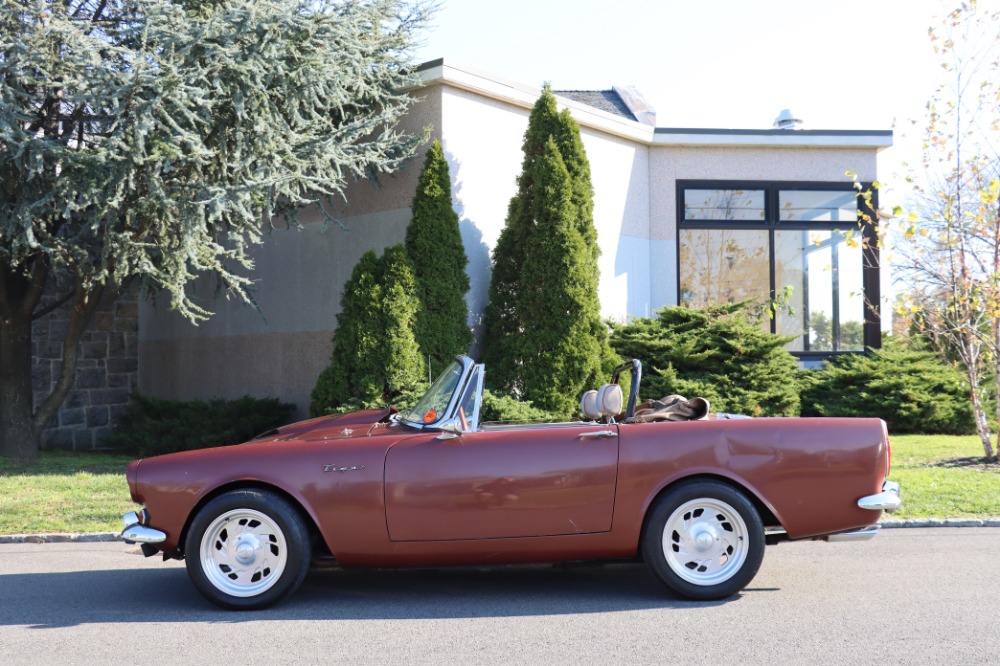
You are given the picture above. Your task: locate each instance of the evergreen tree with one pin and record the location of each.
(434, 245)
(146, 140)
(558, 303)
(375, 357)
(509, 343)
(719, 353)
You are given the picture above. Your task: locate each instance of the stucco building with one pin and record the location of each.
(683, 215)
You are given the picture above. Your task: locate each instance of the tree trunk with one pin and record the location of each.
(979, 412)
(18, 436)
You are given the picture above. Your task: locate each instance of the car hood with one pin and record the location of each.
(336, 426)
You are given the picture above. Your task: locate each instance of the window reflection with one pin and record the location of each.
(724, 205)
(826, 310)
(818, 206)
(723, 266)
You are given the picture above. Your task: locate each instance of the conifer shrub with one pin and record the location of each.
(912, 389)
(375, 359)
(719, 353)
(154, 426)
(437, 255)
(505, 409)
(544, 339)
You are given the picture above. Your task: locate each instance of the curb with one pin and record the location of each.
(92, 537)
(942, 522)
(98, 537)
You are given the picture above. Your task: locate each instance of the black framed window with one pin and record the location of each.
(796, 244)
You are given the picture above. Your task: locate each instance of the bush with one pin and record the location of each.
(913, 390)
(152, 426)
(503, 408)
(719, 353)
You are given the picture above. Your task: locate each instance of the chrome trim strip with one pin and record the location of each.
(863, 534)
(888, 500)
(140, 534)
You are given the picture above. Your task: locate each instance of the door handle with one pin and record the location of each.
(597, 433)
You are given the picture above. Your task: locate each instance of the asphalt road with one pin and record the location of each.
(911, 596)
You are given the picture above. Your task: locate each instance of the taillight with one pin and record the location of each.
(888, 448)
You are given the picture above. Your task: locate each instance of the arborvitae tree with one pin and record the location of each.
(558, 303)
(509, 344)
(354, 342)
(913, 389)
(434, 243)
(404, 366)
(502, 321)
(375, 357)
(146, 140)
(719, 353)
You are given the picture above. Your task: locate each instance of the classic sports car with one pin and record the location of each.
(696, 499)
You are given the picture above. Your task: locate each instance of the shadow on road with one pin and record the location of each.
(166, 595)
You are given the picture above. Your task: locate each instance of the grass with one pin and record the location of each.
(944, 477)
(63, 492)
(941, 476)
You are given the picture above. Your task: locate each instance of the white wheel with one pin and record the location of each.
(704, 540)
(243, 553)
(247, 549)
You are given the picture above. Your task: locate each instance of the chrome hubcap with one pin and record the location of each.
(705, 541)
(243, 553)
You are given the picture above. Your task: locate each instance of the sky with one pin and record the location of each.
(844, 64)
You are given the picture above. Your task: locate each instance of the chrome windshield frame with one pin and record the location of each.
(448, 417)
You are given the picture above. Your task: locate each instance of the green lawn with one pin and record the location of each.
(942, 477)
(63, 492)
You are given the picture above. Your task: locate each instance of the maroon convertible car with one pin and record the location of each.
(697, 500)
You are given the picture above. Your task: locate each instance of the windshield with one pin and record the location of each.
(433, 405)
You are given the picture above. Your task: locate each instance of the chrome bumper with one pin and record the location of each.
(864, 534)
(888, 500)
(134, 532)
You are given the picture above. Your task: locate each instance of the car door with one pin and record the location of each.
(512, 481)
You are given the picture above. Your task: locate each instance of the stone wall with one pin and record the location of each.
(107, 372)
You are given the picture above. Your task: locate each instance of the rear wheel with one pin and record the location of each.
(704, 540)
(246, 549)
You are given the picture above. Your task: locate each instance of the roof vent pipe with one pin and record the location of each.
(786, 120)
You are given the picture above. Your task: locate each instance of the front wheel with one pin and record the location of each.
(246, 549)
(704, 540)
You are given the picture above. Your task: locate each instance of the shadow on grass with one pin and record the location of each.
(977, 462)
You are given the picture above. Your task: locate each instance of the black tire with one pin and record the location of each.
(247, 549)
(704, 540)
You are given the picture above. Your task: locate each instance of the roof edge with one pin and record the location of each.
(443, 71)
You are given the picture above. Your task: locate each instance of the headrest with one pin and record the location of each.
(610, 400)
(589, 406)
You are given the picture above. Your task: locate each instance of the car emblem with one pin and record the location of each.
(346, 432)
(334, 468)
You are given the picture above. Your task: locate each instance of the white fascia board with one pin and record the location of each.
(877, 140)
(485, 84)
(467, 78)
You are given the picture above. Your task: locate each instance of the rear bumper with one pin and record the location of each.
(864, 534)
(888, 500)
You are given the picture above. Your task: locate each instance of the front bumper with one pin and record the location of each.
(136, 532)
(888, 500)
